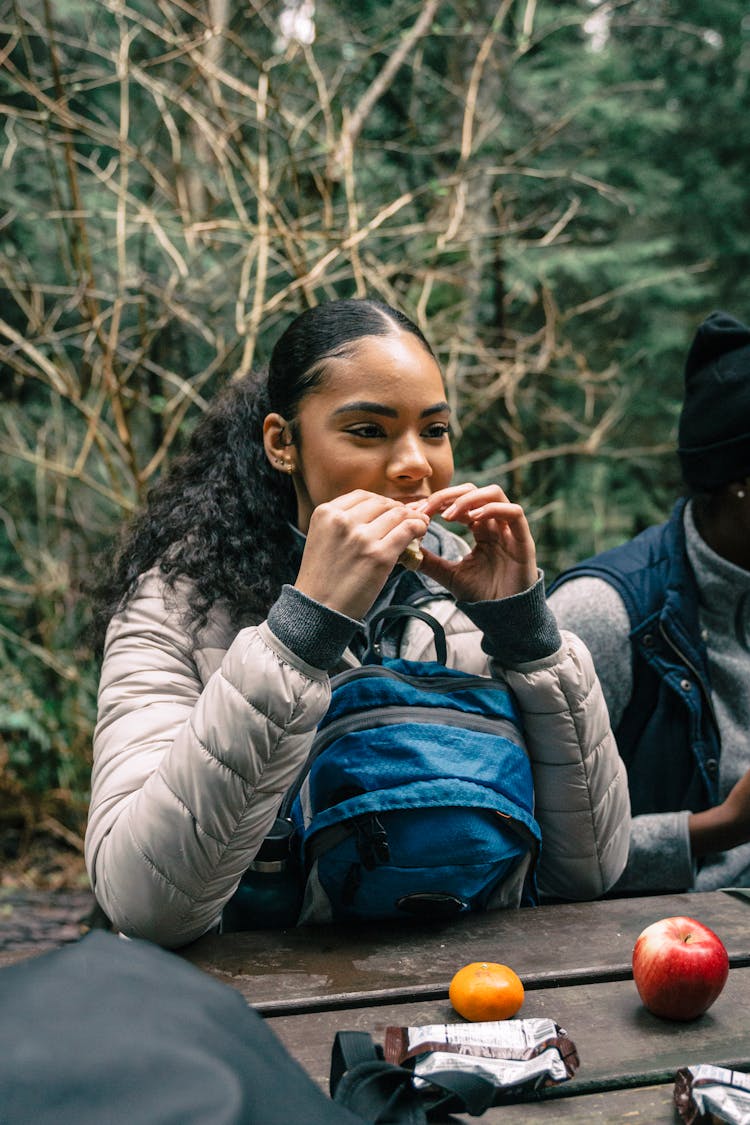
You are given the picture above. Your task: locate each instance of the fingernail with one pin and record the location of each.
(449, 511)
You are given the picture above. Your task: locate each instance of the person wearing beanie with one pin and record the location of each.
(714, 429)
(666, 617)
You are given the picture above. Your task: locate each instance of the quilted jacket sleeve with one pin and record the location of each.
(188, 776)
(582, 801)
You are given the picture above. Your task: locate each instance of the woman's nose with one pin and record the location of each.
(409, 460)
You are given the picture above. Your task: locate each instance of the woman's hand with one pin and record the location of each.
(726, 825)
(353, 543)
(503, 560)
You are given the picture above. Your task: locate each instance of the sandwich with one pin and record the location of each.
(411, 556)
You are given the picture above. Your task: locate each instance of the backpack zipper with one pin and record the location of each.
(394, 716)
(462, 682)
(335, 834)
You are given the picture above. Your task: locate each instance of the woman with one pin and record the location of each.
(247, 581)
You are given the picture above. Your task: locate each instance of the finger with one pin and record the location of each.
(399, 525)
(350, 501)
(512, 535)
(340, 516)
(442, 499)
(473, 512)
(377, 536)
(440, 569)
(474, 501)
(499, 511)
(454, 502)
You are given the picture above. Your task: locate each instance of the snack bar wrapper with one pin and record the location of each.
(708, 1095)
(515, 1055)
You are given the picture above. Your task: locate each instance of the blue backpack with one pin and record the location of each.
(417, 795)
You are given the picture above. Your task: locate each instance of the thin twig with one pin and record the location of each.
(356, 118)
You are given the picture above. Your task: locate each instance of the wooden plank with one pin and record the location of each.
(332, 966)
(647, 1105)
(619, 1043)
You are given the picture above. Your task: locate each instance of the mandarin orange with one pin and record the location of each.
(485, 990)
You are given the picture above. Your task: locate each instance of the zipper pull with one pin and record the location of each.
(372, 841)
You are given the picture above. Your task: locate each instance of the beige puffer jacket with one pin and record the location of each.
(195, 746)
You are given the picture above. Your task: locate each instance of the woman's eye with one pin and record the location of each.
(366, 430)
(438, 430)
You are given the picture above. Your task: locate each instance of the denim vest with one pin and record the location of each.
(667, 737)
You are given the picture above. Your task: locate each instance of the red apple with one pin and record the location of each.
(679, 968)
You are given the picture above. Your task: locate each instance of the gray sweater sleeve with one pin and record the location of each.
(659, 857)
(594, 611)
(517, 629)
(317, 634)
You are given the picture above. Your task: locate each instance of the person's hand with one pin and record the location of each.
(503, 559)
(726, 825)
(353, 543)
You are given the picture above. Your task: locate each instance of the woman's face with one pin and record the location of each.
(378, 421)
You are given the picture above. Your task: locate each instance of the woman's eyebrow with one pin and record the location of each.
(387, 411)
(438, 408)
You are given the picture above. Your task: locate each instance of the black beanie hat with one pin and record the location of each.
(714, 430)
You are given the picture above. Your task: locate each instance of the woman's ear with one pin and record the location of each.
(278, 444)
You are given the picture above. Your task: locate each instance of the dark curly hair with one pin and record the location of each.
(222, 517)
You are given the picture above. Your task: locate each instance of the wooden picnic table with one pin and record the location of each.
(574, 961)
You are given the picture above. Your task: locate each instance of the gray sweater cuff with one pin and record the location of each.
(659, 858)
(518, 629)
(317, 634)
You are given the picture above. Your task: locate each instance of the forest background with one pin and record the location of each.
(555, 190)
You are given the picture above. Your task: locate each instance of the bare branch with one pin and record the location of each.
(355, 121)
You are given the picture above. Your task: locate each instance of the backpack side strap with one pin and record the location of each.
(373, 1089)
(380, 1091)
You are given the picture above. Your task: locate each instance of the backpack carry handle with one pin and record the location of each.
(379, 623)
